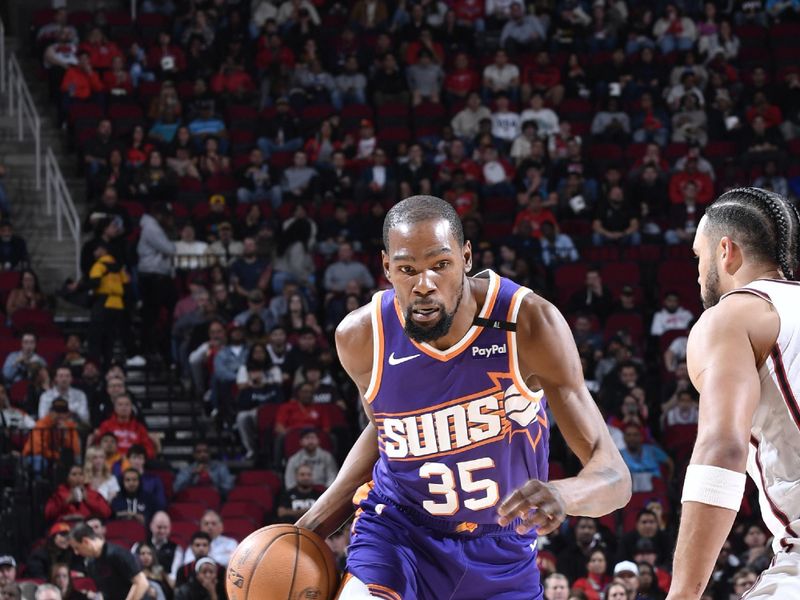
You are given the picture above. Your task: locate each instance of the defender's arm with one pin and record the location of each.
(722, 363)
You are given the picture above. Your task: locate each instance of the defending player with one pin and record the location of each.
(743, 358)
(454, 371)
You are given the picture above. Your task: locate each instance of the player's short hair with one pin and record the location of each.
(416, 209)
(763, 222)
(83, 531)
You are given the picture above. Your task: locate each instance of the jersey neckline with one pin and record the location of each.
(471, 334)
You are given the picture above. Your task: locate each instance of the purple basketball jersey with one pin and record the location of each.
(458, 429)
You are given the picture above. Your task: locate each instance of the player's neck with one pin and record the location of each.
(463, 319)
(748, 274)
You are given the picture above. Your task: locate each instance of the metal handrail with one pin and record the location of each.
(58, 196)
(25, 110)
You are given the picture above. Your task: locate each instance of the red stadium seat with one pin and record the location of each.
(167, 480)
(631, 323)
(239, 527)
(50, 348)
(18, 392)
(9, 280)
(243, 508)
(126, 530)
(620, 273)
(263, 495)
(200, 494)
(84, 584)
(260, 477)
(182, 531)
(187, 511)
(31, 319)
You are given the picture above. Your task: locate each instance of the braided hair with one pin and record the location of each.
(764, 222)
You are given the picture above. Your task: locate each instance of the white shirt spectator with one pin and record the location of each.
(188, 254)
(76, 399)
(499, 9)
(286, 11)
(494, 173)
(222, 547)
(465, 123)
(501, 78)
(665, 320)
(322, 463)
(264, 10)
(545, 118)
(506, 125)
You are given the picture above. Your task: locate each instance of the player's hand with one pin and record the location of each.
(538, 503)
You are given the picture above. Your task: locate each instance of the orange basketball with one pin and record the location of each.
(282, 562)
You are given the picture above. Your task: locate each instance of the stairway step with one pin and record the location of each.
(161, 422)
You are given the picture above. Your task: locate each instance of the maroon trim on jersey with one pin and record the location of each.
(786, 281)
(745, 290)
(779, 514)
(783, 384)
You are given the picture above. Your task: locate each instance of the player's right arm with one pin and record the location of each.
(725, 348)
(354, 346)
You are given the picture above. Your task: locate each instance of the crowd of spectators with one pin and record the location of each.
(240, 157)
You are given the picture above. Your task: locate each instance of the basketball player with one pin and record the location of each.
(454, 371)
(743, 358)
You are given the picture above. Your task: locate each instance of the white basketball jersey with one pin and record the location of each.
(774, 459)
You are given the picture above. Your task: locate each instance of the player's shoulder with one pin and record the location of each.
(536, 312)
(734, 311)
(355, 328)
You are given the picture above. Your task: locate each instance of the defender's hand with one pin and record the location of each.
(538, 503)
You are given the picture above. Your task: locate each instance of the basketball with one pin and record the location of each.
(282, 562)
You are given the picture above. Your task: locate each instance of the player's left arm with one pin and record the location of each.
(547, 353)
(723, 360)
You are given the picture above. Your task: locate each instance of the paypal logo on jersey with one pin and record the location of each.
(489, 352)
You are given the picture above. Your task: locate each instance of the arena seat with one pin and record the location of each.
(187, 511)
(263, 495)
(200, 494)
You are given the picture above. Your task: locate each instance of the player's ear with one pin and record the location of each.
(467, 254)
(385, 264)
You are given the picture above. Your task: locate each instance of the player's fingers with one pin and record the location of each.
(545, 519)
(521, 502)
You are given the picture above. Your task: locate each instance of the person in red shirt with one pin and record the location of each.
(126, 428)
(543, 77)
(117, 80)
(597, 577)
(470, 13)
(458, 160)
(534, 214)
(461, 80)
(101, 50)
(761, 106)
(73, 500)
(300, 412)
(463, 199)
(165, 57)
(704, 183)
(81, 80)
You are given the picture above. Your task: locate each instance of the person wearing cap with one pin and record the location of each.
(74, 500)
(628, 573)
(156, 286)
(114, 569)
(225, 249)
(205, 583)
(323, 465)
(256, 305)
(54, 438)
(281, 132)
(204, 471)
(55, 550)
(8, 569)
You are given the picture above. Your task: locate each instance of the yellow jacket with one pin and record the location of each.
(109, 279)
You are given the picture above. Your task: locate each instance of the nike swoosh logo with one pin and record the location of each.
(399, 361)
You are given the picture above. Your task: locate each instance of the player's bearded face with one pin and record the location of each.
(428, 331)
(711, 288)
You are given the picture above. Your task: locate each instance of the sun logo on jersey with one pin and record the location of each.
(520, 409)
